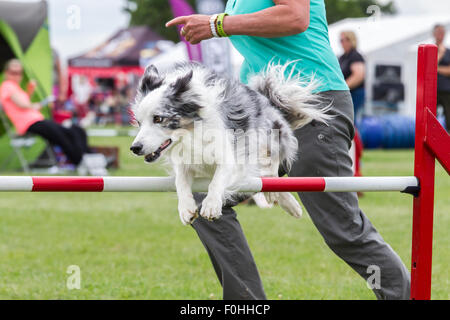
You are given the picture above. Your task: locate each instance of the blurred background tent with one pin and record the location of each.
(126, 52)
(24, 35)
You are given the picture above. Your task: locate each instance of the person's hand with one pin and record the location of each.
(196, 27)
(31, 86)
(36, 106)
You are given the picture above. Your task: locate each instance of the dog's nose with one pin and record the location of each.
(136, 148)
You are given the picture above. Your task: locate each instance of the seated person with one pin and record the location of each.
(26, 117)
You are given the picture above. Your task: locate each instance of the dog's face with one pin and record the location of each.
(163, 108)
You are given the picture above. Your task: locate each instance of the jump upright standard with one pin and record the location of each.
(432, 142)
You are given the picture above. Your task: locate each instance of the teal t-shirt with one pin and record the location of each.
(311, 49)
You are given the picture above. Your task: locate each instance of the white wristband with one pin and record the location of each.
(212, 23)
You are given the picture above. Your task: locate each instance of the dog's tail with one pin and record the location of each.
(292, 95)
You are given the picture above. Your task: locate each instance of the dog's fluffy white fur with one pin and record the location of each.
(237, 122)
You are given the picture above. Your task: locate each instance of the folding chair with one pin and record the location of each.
(18, 143)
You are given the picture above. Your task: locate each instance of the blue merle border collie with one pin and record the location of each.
(237, 122)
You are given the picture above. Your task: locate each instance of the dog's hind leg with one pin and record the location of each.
(289, 204)
(285, 199)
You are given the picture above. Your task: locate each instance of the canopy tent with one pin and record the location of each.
(122, 53)
(24, 35)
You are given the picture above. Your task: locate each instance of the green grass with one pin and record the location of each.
(133, 246)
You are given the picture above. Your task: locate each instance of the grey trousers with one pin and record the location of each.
(323, 151)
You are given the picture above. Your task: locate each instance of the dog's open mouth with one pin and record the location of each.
(155, 155)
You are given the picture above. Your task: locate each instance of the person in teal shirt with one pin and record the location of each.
(283, 31)
(311, 49)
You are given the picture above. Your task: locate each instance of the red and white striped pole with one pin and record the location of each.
(166, 184)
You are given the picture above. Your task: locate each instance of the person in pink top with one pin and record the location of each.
(27, 118)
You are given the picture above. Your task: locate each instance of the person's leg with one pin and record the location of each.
(358, 98)
(230, 255)
(323, 151)
(79, 136)
(57, 135)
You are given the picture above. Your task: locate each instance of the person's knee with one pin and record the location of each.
(351, 232)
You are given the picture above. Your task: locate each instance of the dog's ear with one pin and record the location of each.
(150, 80)
(182, 84)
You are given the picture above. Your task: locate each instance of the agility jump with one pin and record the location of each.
(432, 142)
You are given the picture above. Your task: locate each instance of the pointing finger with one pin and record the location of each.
(176, 21)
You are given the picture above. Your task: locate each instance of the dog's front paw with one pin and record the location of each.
(187, 210)
(211, 208)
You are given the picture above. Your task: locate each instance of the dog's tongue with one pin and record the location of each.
(165, 144)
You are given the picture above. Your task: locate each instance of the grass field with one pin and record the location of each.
(133, 246)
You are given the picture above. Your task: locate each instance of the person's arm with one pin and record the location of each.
(444, 70)
(287, 17)
(21, 103)
(441, 52)
(357, 76)
(17, 99)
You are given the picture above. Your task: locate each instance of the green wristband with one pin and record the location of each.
(219, 25)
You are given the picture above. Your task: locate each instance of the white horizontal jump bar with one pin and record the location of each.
(165, 184)
(13, 184)
(368, 184)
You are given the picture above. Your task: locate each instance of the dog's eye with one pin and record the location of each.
(157, 119)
